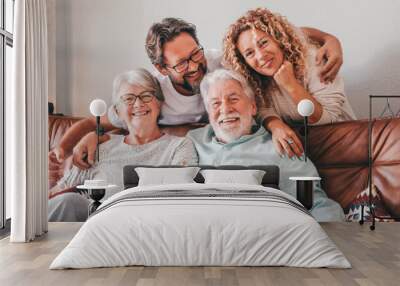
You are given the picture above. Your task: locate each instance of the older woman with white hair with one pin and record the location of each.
(137, 98)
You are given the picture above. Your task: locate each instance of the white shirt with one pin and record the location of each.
(177, 108)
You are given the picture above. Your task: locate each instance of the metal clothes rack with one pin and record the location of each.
(370, 159)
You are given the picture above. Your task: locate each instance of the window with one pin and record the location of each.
(6, 44)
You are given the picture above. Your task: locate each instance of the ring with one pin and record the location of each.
(289, 141)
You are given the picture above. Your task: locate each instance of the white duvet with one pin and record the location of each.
(183, 231)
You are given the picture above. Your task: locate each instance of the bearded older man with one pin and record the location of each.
(233, 138)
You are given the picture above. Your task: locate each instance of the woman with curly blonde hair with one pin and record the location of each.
(280, 64)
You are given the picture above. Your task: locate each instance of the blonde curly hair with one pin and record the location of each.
(284, 33)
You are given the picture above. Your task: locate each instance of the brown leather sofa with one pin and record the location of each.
(58, 125)
(339, 151)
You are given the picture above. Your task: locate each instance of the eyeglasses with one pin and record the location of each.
(195, 57)
(130, 99)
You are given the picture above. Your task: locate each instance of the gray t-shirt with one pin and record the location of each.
(115, 154)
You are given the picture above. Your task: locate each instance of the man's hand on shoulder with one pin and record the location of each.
(84, 152)
(56, 157)
(330, 56)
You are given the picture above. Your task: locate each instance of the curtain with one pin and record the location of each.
(26, 120)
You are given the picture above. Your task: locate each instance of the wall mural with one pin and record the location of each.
(272, 96)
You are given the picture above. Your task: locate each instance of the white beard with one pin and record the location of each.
(228, 135)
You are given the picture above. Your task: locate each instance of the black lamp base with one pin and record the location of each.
(96, 195)
(305, 193)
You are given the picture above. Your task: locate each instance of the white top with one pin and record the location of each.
(305, 178)
(331, 96)
(95, 184)
(115, 154)
(177, 108)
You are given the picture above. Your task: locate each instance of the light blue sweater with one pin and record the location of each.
(258, 149)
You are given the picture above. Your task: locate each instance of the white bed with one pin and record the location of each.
(224, 225)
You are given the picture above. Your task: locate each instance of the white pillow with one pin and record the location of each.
(164, 176)
(249, 177)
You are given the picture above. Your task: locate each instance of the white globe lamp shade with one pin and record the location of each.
(98, 107)
(305, 107)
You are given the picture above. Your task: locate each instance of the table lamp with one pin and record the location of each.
(96, 190)
(305, 109)
(304, 185)
(98, 108)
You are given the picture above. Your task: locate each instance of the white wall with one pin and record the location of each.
(96, 39)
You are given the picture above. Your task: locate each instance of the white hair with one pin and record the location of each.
(224, 74)
(138, 77)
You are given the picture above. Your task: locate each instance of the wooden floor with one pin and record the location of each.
(374, 255)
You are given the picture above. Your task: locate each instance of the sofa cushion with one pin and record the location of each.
(58, 125)
(342, 144)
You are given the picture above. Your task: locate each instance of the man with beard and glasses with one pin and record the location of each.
(181, 63)
(234, 138)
